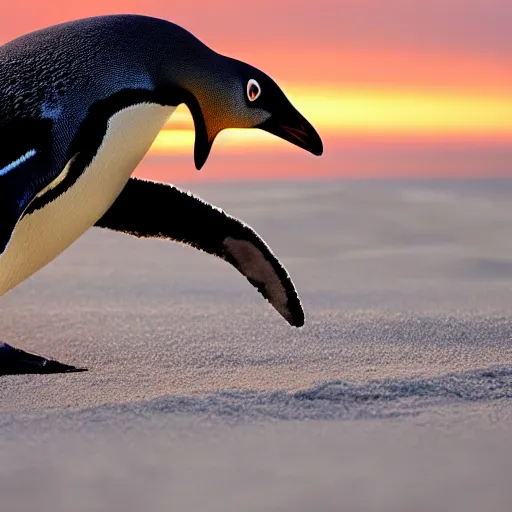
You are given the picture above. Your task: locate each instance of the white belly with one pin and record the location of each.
(41, 236)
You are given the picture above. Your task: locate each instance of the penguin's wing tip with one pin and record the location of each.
(264, 271)
(297, 318)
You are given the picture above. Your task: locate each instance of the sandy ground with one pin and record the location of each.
(395, 396)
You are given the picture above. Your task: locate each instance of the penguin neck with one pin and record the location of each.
(204, 90)
(203, 140)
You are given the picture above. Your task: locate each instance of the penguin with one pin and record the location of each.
(80, 105)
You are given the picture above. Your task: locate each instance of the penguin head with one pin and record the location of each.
(245, 97)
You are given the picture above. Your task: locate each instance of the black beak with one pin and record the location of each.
(294, 128)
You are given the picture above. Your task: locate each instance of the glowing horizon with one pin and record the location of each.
(360, 112)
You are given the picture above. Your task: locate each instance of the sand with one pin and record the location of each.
(395, 396)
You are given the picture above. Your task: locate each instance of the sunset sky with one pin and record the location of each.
(396, 88)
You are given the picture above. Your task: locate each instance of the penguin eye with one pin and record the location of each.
(253, 90)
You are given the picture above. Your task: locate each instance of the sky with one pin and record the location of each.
(396, 88)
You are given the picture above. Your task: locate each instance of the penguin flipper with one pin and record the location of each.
(24, 171)
(16, 192)
(149, 209)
